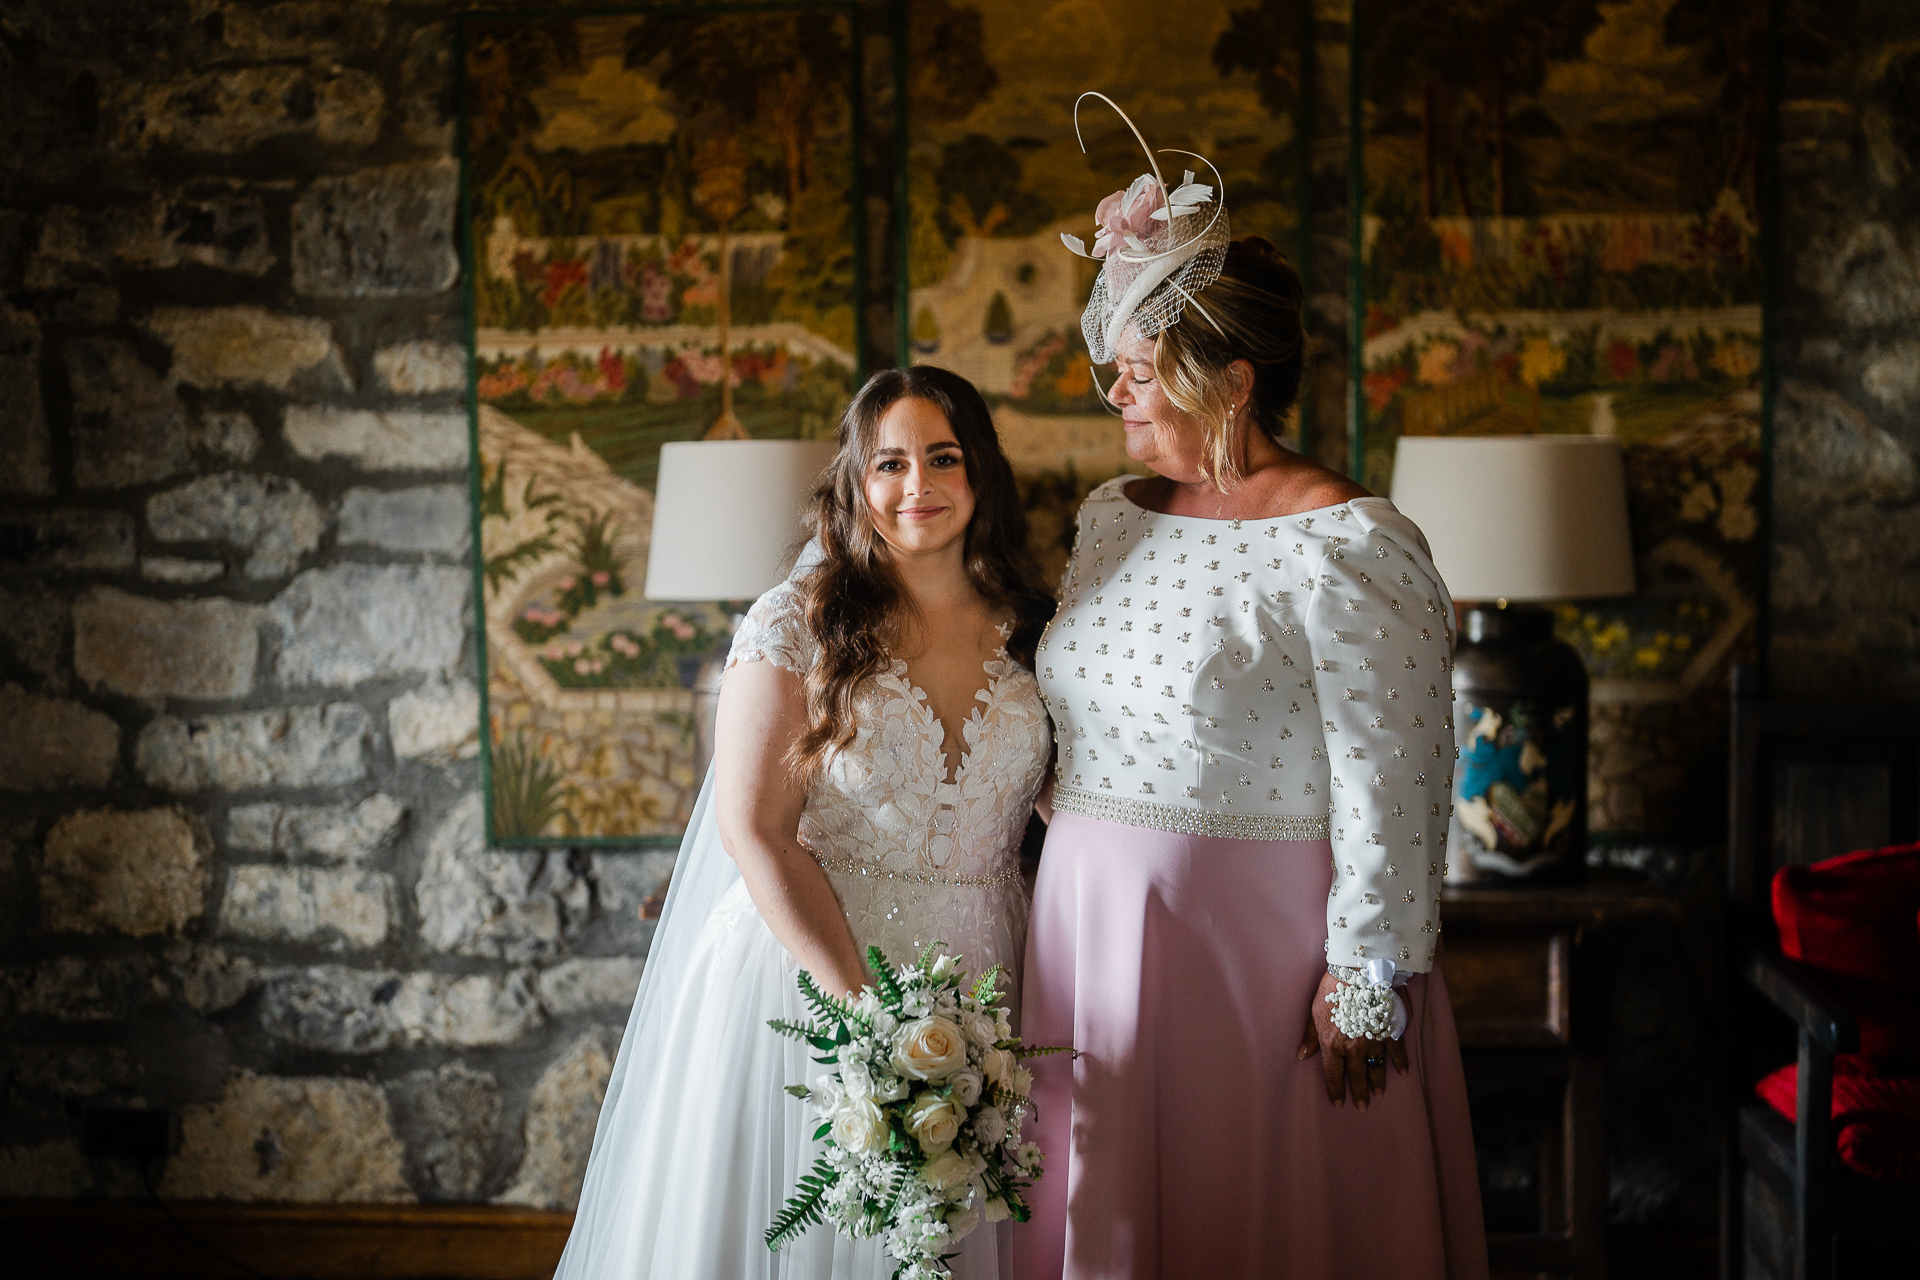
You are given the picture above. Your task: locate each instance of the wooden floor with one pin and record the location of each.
(142, 1240)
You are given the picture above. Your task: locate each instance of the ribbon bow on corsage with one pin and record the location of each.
(1125, 216)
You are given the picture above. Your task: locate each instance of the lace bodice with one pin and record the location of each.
(1283, 679)
(917, 857)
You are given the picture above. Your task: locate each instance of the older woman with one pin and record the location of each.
(1249, 680)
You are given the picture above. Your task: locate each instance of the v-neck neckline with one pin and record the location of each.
(982, 704)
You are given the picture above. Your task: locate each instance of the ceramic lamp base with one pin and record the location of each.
(1520, 722)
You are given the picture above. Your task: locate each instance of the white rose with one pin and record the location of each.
(934, 1121)
(997, 1210)
(997, 1063)
(947, 1172)
(1003, 1024)
(967, 1084)
(979, 1028)
(858, 1126)
(885, 1024)
(990, 1126)
(856, 1078)
(962, 1221)
(943, 967)
(929, 1049)
(825, 1095)
(1020, 1080)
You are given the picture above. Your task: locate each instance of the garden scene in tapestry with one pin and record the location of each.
(1562, 234)
(995, 175)
(662, 245)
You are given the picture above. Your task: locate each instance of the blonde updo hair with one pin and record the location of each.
(1256, 303)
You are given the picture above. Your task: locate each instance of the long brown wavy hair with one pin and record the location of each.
(854, 601)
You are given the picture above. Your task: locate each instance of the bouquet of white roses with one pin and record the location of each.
(922, 1118)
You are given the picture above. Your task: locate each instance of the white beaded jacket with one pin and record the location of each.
(1283, 679)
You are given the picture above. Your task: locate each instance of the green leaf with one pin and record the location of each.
(799, 1091)
(802, 1209)
(826, 1127)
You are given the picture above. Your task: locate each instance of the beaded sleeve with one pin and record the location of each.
(775, 630)
(1381, 635)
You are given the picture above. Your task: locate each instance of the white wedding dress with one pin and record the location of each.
(697, 1146)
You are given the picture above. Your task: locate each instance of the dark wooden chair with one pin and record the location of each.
(1811, 778)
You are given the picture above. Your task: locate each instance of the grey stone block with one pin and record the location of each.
(314, 1140)
(226, 436)
(1892, 376)
(271, 517)
(437, 723)
(401, 441)
(307, 29)
(53, 743)
(558, 1129)
(137, 872)
(331, 1008)
(379, 232)
(32, 624)
(249, 346)
(340, 907)
(165, 648)
(431, 518)
(128, 426)
(209, 978)
(485, 902)
(228, 111)
(332, 833)
(178, 570)
(481, 1010)
(82, 540)
(79, 989)
(26, 459)
(285, 747)
(354, 622)
(590, 986)
(1828, 452)
(449, 1120)
(421, 368)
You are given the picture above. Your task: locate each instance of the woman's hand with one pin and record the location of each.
(1357, 1065)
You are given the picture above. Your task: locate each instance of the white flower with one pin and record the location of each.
(888, 1087)
(998, 1064)
(934, 1121)
(979, 1028)
(990, 1126)
(997, 1210)
(856, 1078)
(967, 1084)
(962, 1221)
(944, 967)
(858, 1126)
(885, 1024)
(825, 1095)
(1027, 1157)
(867, 1005)
(947, 1172)
(929, 1049)
(1020, 1080)
(917, 1003)
(1003, 1024)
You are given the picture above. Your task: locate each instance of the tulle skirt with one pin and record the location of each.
(719, 1147)
(1188, 1140)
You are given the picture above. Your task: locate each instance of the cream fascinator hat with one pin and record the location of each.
(1158, 247)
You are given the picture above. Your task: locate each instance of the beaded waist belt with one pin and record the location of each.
(1191, 822)
(854, 867)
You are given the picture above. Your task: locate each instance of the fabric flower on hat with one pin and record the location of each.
(1125, 217)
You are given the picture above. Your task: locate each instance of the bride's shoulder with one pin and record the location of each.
(775, 630)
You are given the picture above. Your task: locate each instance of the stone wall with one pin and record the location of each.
(242, 873)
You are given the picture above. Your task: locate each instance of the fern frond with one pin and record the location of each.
(803, 1208)
(1042, 1050)
(823, 1004)
(883, 980)
(799, 1030)
(987, 988)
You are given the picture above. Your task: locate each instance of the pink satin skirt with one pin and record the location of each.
(1187, 1140)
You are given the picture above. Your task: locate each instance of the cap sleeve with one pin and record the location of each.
(775, 630)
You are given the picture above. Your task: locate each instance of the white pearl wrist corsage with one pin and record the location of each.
(1364, 1009)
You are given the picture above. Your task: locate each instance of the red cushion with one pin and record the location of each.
(1853, 918)
(1876, 1119)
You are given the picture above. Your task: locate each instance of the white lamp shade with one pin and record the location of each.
(726, 513)
(1519, 517)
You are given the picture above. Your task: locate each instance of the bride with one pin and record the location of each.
(866, 790)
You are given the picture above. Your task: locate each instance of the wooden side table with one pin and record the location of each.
(1529, 972)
